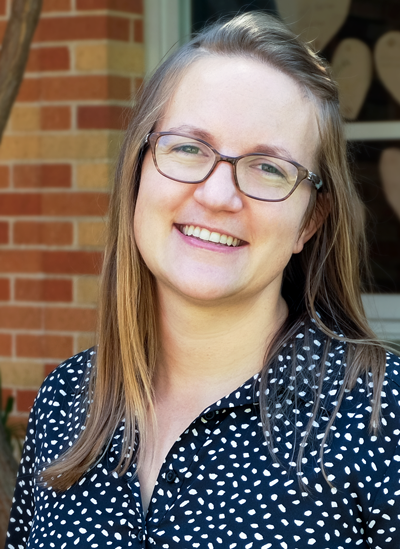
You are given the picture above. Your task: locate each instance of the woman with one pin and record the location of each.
(237, 397)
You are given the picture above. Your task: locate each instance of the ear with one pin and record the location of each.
(320, 212)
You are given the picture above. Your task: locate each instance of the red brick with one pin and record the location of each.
(3, 232)
(42, 175)
(48, 59)
(118, 88)
(5, 394)
(44, 346)
(56, 5)
(21, 261)
(52, 289)
(137, 84)
(100, 117)
(4, 176)
(54, 204)
(68, 319)
(2, 30)
(75, 204)
(71, 88)
(131, 6)
(5, 344)
(4, 289)
(51, 262)
(20, 204)
(138, 30)
(29, 90)
(59, 262)
(25, 400)
(48, 368)
(50, 233)
(14, 317)
(83, 27)
(2, 7)
(55, 118)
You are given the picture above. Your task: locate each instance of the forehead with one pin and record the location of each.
(242, 103)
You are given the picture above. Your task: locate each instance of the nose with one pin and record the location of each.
(219, 190)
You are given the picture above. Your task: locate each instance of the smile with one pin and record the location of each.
(210, 236)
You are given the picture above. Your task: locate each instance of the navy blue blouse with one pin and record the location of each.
(218, 486)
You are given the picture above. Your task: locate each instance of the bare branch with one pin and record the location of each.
(14, 53)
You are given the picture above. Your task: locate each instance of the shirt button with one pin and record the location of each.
(170, 476)
(140, 536)
(209, 415)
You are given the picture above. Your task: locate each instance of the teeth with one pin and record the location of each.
(205, 234)
(214, 237)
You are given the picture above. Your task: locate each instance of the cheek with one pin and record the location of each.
(282, 225)
(146, 205)
(140, 230)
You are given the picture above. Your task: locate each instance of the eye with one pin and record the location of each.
(187, 149)
(270, 168)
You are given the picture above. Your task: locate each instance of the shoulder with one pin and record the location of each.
(392, 374)
(65, 382)
(391, 385)
(59, 412)
(356, 409)
(69, 375)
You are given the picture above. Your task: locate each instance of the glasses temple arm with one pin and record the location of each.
(313, 177)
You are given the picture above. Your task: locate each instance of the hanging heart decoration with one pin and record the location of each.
(314, 20)
(389, 169)
(387, 61)
(352, 70)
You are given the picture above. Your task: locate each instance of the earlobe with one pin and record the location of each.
(320, 213)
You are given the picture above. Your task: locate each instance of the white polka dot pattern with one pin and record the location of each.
(218, 486)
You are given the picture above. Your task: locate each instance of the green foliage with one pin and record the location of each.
(14, 432)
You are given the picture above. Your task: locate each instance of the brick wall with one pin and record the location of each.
(56, 163)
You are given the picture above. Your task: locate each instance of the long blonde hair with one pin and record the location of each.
(321, 283)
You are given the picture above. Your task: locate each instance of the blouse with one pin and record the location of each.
(219, 486)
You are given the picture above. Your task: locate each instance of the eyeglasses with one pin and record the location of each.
(257, 175)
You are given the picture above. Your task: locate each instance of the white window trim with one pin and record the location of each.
(376, 131)
(167, 24)
(383, 313)
(383, 310)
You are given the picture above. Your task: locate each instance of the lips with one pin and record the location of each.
(202, 233)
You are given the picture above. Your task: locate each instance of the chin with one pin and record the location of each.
(203, 292)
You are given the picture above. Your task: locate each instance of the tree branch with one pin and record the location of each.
(14, 53)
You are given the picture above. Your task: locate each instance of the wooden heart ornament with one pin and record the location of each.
(387, 61)
(389, 169)
(314, 20)
(352, 70)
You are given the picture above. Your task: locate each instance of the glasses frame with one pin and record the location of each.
(303, 173)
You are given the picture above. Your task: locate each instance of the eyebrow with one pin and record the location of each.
(269, 149)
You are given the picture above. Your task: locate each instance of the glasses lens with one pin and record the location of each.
(266, 177)
(183, 158)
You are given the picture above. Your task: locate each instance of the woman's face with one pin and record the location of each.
(239, 106)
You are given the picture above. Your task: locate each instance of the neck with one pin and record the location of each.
(208, 351)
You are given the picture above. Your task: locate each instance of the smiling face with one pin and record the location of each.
(208, 241)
